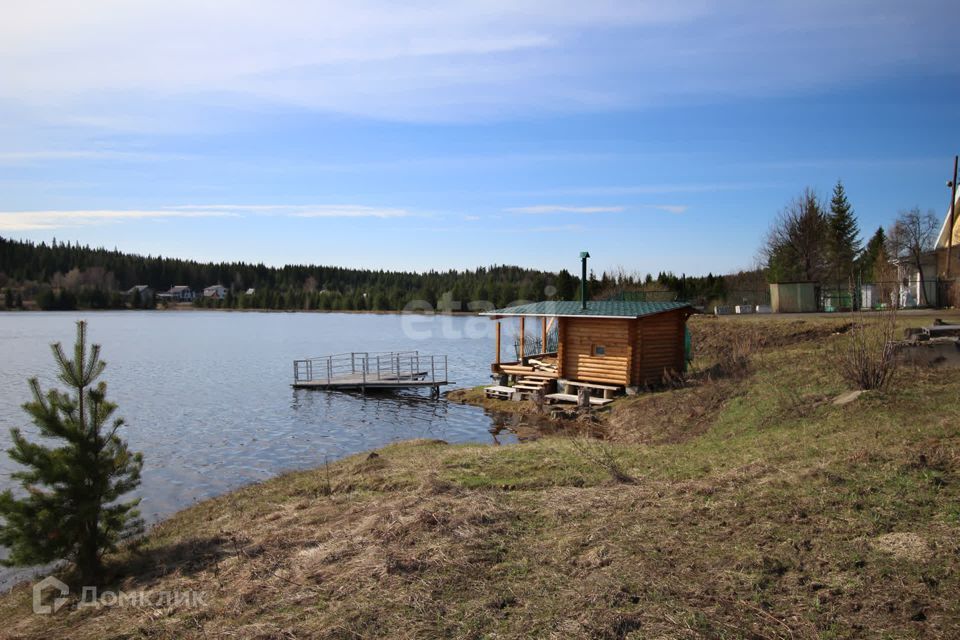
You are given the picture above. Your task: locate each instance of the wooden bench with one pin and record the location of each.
(570, 397)
(608, 390)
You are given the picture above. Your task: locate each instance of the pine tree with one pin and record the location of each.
(70, 507)
(874, 256)
(797, 245)
(844, 236)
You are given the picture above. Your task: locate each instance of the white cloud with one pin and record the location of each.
(564, 228)
(303, 211)
(646, 189)
(558, 208)
(348, 211)
(115, 62)
(669, 208)
(35, 157)
(55, 219)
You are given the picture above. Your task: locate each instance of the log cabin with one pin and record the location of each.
(617, 343)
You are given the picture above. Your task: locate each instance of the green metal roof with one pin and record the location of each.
(595, 309)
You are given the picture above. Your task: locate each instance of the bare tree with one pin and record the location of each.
(796, 247)
(913, 235)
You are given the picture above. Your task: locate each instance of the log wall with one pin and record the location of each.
(660, 347)
(578, 338)
(637, 351)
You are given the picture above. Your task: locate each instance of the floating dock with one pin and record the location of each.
(361, 370)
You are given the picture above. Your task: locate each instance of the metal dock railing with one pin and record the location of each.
(365, 370)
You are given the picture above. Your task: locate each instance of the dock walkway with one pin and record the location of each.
(362, 370)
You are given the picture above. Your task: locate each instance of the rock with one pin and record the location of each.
(847, 398)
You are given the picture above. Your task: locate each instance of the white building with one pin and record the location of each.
(934, 265)
(216, 291)
(181, 293)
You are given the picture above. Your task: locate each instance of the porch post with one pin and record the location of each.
(523, 335)
(953, 200)
(543, 334)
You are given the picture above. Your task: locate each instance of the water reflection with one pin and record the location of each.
(207, 395)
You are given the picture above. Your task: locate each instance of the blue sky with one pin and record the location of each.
(433, 135)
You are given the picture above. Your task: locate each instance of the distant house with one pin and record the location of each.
(142, 291)
(179, 293)
(944, 238)
(934, 265)
(911, 294)
(216, 291)
(251, 291)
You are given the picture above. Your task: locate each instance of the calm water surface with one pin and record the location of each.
(207, 394)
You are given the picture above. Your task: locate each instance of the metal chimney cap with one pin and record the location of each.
(584, 254)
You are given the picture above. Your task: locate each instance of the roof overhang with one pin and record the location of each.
(944, 235)
(494, 315)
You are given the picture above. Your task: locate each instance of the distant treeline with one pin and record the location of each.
(68, 276)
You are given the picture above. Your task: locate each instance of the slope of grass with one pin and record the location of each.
(757, 509)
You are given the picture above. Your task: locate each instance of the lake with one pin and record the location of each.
(207, 396)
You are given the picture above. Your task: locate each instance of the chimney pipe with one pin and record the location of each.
(583, 279)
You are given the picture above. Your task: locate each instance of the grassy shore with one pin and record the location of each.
(742, 505)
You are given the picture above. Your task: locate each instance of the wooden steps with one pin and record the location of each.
(526, 387)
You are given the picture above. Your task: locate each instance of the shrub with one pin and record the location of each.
(867, 357)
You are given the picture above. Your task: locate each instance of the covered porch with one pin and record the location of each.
(606, 347)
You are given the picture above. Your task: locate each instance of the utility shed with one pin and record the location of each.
(620, 343)
(793, 297)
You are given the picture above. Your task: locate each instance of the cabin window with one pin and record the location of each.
(599, 350)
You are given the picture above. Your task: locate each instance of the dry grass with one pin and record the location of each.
(778, 516)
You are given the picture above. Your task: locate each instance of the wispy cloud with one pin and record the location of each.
(589, 210)
(347, 211)
(14, 158)
(55, 219)
(844, 163)
(452, 61)
(646, 189)
(559, 208)
(669, 208)
(302, 211)
(562, 228)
